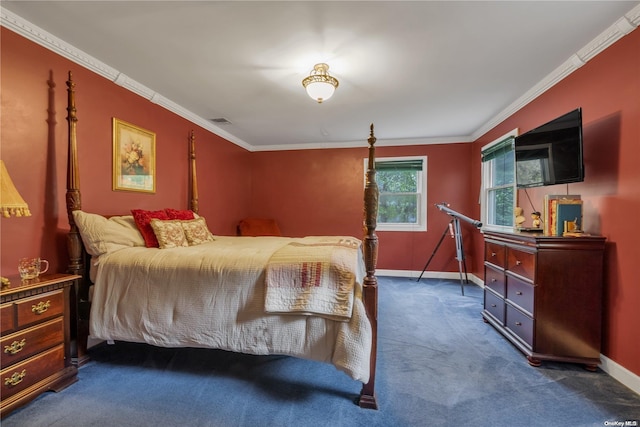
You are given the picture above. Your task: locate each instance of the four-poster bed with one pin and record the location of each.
(252, 309)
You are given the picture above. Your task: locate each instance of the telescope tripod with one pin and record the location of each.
(453, 228)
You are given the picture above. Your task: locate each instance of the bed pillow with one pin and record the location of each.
(179, 214)
(101, 235)
(197, 232)
(143, 221)
(169, 233)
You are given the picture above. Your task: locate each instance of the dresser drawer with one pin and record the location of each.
(29, 372)
(6, 318)
(494, 279)
(40, 308)
(494, 253)
(494, 305)
(521, 263)
(521, 294)
(520, 324)
(26, 343)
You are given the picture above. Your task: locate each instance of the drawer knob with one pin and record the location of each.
(493, 254)
(16, 378)
(494, 279)
(518, 262)
(15, 347)
(493, 305)
(518, 323)
(518, 293)
(41, 307)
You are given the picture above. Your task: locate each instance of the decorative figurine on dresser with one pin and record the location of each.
(544, 294)
(35, 326)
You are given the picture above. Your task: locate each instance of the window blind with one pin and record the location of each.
(500, 149)
(399, 165)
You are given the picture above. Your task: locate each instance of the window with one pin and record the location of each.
(498, 183)
(402, 182)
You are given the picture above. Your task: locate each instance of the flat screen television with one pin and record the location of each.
(552, 153)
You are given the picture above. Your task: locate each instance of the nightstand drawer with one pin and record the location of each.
(521, 263)
(40, 308)
(494, 253)
(494, 279)
(521, 294)
(21, 345)
(494, 305)
(6, 318)
(25, 374)
(520, 324)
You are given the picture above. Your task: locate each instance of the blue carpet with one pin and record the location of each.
(439, 365)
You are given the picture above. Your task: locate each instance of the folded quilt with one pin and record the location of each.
(313, 278)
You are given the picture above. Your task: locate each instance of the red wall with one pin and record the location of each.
(321, 192)
(34, 148)
(608, 90)
(315, 191)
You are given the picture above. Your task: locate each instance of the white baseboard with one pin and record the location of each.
(615, 370)
(621, 374)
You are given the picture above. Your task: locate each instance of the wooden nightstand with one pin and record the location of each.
(35, 341)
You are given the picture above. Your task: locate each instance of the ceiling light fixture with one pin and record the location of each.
(320, 85)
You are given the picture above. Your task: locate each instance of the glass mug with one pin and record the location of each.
(30, 268)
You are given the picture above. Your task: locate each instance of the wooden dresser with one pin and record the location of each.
(35, 343)
(544, 294)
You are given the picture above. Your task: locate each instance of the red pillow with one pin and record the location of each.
(178, 214)
(143, 221)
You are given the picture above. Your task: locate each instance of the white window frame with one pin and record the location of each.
(486, 186)
(422, 197)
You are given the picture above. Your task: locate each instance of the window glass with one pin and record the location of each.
(402, 186)
(499, 187)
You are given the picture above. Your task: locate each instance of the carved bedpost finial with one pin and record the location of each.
(192, 173)
(74, 243)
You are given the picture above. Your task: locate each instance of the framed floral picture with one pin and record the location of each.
(134, 158)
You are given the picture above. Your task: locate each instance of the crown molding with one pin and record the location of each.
(625, 25)
(615, 32)
(39, 36)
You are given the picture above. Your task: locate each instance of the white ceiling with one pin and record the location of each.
(422, 71)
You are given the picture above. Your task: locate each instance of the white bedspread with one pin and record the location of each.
(213, 295)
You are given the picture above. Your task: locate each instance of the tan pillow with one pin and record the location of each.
(196, 231)
(101, 235)
(169, 233)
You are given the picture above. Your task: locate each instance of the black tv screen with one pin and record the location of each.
(552, 153)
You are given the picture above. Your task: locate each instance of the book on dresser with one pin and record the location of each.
(569, 205)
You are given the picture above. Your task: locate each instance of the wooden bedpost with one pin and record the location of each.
(80, 297)
(370, 292)
(193, 178)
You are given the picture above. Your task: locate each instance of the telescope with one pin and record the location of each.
(444, 208)
(454, 229)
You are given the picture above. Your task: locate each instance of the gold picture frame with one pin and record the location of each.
(134, 158)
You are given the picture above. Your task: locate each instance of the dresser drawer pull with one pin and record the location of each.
(518, 323)
(16, 378)
(518, 262)
(493, 254)
(41, 307)
(493, 305)
(494, 279)
(15, 347)
(518, 293)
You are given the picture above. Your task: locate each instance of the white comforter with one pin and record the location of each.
(213, 295)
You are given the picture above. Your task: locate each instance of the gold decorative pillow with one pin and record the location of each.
(169, 233)
(196, 231)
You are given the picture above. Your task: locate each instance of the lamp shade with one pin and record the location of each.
(11, 202)
(320, 85)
